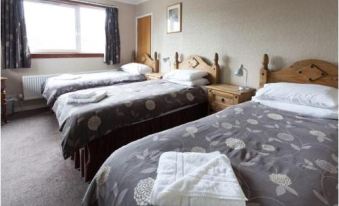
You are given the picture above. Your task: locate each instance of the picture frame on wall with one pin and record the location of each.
(174, 13)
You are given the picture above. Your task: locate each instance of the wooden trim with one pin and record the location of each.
(66, 55)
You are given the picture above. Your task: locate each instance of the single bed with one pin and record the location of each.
(91, 132)
(58, 85)
(279, 157)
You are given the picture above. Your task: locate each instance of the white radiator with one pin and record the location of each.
(32, 86)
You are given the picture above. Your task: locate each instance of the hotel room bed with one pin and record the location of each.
(126, 104)
(91, 132)
(58, 85)
(279, 157)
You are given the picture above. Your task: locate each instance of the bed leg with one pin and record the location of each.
(82, 161)
(77, 160)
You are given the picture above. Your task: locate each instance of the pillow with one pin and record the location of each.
(301, 109)
(185, 74)
(136, 68)
(197, 82)
(302, 94)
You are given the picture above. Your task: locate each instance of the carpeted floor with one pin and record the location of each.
(33, 171)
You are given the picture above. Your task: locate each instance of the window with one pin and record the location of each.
(64, 28)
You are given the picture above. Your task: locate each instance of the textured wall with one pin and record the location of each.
(60, 65)
(241, 31)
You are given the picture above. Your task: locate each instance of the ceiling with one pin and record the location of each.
(131, 1)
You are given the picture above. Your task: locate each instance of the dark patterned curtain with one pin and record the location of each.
(14, 49)
(112, 55)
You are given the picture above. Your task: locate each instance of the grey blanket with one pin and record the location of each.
(280, 158)
(124, 105)
(54, 86)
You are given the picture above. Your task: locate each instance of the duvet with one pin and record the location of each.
(279, 158)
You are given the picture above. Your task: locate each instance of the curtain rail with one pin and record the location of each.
(90, 3)
(81, 2)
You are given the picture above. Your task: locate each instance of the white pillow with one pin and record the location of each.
(136, 68)
(197, 82)
(301, 109)
(185, 74)
(301, 94)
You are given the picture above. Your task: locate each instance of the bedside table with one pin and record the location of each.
(221, 96)
(152, 76)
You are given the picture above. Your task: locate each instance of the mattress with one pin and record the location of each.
(56, 86)
(280, 158)
(125, 105)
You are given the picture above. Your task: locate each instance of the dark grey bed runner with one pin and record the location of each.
(55, 87)
(280, 159)
(125, 105)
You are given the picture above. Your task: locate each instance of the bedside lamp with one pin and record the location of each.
(240, 72)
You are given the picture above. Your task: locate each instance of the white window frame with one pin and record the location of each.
(77, 28)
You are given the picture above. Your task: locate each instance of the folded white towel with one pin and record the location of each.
(99, 95)
(82, 95)
(195, 179)
(67, 77)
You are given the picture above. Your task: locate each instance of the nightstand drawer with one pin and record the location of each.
(221, 98)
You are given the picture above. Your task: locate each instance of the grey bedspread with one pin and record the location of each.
(55, 87)
(280, 158)
(125, 105)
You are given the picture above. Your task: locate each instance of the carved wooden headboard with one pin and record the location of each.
(197, 62)
(148, 60)
(310, 71)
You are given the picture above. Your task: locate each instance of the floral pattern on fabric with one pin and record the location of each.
(278, 162)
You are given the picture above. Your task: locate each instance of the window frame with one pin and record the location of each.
(68, 53)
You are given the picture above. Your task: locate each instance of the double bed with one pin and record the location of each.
(91, 132)
(279, 157)
(62, 84)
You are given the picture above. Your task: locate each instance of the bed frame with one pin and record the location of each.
(89, 158)
(197, 62)
(148, 60)
(310, 71)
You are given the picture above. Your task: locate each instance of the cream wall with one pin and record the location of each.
(241, 31)
(61, 65)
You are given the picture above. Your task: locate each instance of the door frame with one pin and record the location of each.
(136, 30)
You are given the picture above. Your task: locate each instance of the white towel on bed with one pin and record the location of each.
(97, 97)
(196, 179)
(82, 95)
(67, 77)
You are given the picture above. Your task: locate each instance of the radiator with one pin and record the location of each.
(32, 86)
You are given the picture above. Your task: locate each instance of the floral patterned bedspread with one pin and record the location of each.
(125, 105)
(55, 87)
(280, 158)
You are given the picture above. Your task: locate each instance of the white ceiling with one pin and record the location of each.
(131, 1)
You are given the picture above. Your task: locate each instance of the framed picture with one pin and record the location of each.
(174, 18)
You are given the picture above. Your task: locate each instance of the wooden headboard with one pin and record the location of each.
(148, 60)
(197, 62)
(310, 71)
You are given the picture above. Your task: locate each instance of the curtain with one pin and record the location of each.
(112, 54)
(14, 49)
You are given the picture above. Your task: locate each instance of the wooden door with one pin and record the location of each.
(143, 36)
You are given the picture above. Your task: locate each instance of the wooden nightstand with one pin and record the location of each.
(221, 96)
(151, 76)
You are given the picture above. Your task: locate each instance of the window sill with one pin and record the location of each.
(65, 55)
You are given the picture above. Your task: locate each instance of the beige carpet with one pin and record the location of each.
(33, 171)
